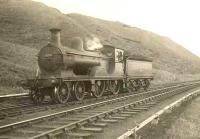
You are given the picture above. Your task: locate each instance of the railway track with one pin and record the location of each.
(23, 108)
(83, 121)
(20, 107)
(135, 132)
(14, 110)
(24, 95)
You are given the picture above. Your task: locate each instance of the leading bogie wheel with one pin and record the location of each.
(36, 96)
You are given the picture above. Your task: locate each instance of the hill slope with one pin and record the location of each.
(167, 54)
(24, 29)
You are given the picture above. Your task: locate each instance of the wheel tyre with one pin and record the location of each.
(114, 87)
(79, 90)
(99, 88)
(36, 96)
(130, 87)
(53, 97)
(139, 85)
(146, 85)
(62, 93)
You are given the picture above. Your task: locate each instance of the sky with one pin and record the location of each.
(176, 19)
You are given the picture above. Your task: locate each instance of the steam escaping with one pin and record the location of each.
(93, 44)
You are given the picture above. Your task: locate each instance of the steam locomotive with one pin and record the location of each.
(73, 72)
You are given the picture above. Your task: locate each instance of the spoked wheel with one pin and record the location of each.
(36, 96)
(132, 86)
(114, 87)
(147, 83)
(139, 82)
(61, 93)
(53, 95)
(135, 85)
(79, 90)
(99, 88)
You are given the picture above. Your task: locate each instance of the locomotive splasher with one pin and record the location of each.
(74, 72)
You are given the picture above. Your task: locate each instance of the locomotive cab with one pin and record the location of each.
(115, 57)
(113, 53)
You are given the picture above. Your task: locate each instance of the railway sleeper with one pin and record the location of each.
(46, 126)
(81, 116)
(140, 108)
(148, 103)
(3, 114)
(151, 103)
(109, 120)
(74, 119)
(144, 106)
(98, 124)
(88, 113)
(79, 135)
(11, 137)
(129, 112)
(123, 115)
(61, 122)
(118, 117)
(97, 111)
(132, 110)
(92, 129)
(14, 113)
(24, 131)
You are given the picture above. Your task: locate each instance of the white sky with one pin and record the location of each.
(176, 19)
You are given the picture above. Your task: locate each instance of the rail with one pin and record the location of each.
(155, 116)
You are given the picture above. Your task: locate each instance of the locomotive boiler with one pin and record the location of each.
(72, 71)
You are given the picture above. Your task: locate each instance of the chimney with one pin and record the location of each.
(55, 37)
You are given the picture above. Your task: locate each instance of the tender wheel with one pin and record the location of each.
(132, 86)
(139, 84)
(135, 85)
(147, 83)
(36, 96)
(61, 93)
(79, 90)
(99, 88)
(114, 87)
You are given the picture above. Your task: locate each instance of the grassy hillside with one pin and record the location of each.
(167, 54)
(16, 62)
(24, 26)
(27, 23)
